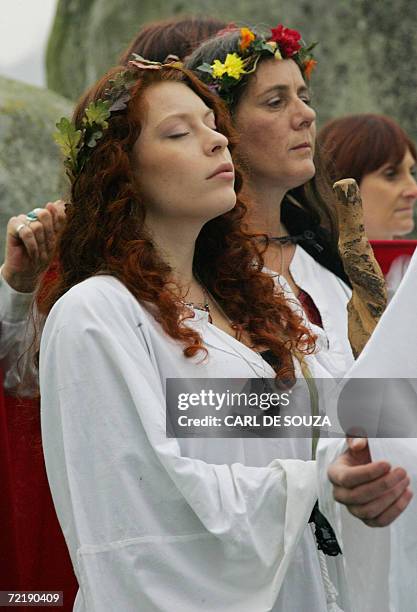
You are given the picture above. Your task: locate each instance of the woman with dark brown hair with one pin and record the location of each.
(263, 76)
(158, 280)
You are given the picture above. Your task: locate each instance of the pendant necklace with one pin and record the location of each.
(205, 306)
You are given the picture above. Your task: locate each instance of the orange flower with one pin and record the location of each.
(246, 37)
(309, 66)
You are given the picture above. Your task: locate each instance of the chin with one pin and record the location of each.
(223, 205)
(404, 229)
(302, 176)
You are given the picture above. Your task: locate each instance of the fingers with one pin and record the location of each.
(44, 232)
(392, 512)
(366, 493)
(370, 500)
(372, 492)
(40, 236)
(343, 474)
(377, 506)
(19, 232)
(57, 210)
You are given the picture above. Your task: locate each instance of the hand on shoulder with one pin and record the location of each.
(30, 245)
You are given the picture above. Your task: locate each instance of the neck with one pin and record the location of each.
(175, 241)
(264, 210)
(379, 235)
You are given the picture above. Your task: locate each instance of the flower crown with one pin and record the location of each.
(77, 144)
(281, 43)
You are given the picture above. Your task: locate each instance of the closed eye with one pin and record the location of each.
(178, 135)
(274, 102)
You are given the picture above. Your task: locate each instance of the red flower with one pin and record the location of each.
(287, 40)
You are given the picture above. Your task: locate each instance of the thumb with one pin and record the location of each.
(357, 444)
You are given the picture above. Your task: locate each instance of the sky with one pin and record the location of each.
(24, 31)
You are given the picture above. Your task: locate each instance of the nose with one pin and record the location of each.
(303, 115)
(215, 142)
(410, 190)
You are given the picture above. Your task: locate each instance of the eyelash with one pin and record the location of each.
(272, 103)
(390, 173)
(215, 129)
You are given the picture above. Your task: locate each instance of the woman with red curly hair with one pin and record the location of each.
(158, 280)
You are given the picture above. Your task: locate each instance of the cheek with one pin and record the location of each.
(378, 201)
(258, 138)
(157, 174)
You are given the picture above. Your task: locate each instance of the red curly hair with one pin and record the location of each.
(106, 233)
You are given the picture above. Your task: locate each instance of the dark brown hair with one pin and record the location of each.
(357, 145)
(156, 40)
(106, 233)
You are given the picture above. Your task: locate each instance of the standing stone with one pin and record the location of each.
(30, 164)
(366, 49)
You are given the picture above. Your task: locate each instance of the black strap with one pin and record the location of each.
(313, 238)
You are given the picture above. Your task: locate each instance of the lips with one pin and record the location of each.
(224, 169)
(303, 145)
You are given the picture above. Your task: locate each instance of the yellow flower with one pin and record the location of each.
(233, 66)
(278, 55)
(218, 69)
(246, 37)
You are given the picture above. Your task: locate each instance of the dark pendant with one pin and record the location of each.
(325, 536)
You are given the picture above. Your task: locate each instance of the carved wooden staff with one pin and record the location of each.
(369, 296)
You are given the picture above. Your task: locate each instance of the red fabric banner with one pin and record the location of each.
(34, 556)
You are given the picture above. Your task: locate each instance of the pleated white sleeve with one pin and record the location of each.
(16, 336)
(147, 528)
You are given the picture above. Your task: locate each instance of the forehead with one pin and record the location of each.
(273, 72)
(170, 98)
(408, 157)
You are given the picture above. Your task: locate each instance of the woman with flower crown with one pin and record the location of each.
(263, 78)
(158, 279)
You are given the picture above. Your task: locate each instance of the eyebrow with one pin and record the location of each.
(184, 116)
(283, 89)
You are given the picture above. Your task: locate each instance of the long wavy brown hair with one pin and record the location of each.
(106, 233)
